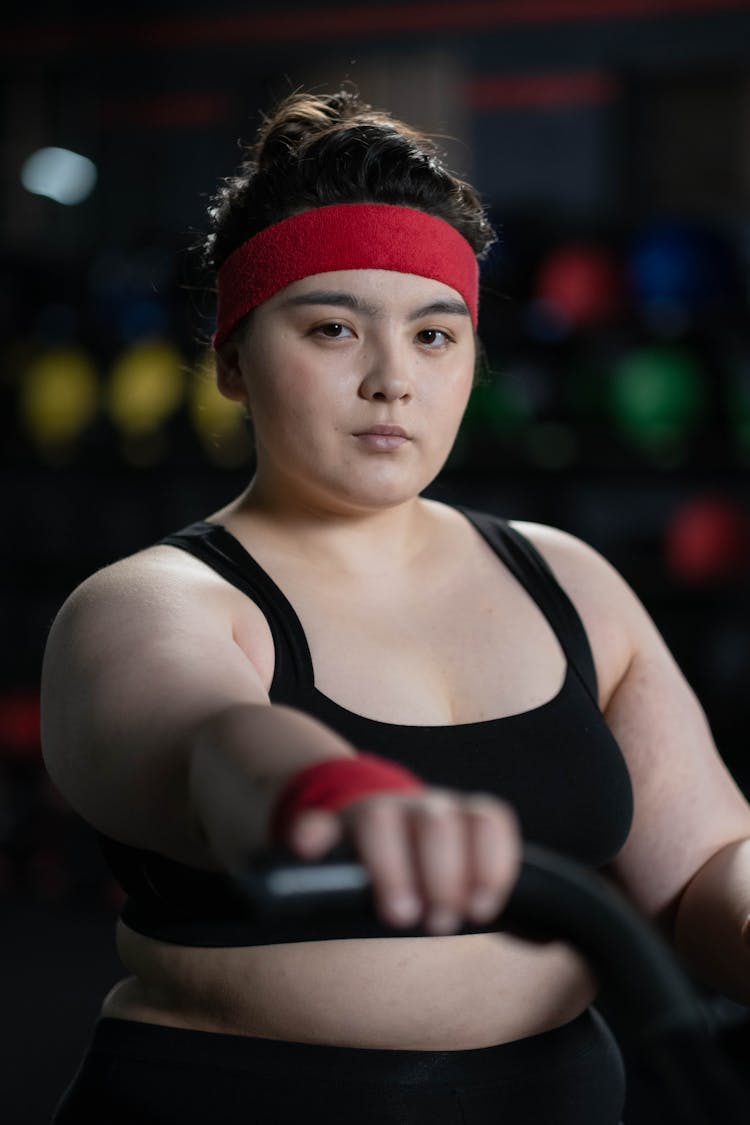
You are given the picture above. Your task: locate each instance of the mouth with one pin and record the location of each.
(384, 431)
(383, 439)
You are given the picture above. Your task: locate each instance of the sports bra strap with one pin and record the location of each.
(293, 669)
(218, 548)
(536, 576)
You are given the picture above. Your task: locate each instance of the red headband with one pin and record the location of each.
(348, 236)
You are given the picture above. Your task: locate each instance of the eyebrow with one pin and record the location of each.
(446, 306)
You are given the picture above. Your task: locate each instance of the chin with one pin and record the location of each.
(385, 494)
(383, 485)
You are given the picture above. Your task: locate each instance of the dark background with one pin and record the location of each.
(611, 142)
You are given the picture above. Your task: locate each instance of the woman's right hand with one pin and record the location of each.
(437, 857)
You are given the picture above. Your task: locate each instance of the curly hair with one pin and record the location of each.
(315, 150)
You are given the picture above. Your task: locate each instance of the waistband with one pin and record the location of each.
(586, 1034)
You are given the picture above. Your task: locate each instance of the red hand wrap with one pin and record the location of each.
(337, 782)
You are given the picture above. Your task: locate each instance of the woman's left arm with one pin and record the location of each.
(686, 862)
(687, 859)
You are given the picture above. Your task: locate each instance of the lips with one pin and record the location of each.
(386, 431)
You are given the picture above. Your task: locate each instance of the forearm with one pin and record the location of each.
(239, 762)
(712, 923)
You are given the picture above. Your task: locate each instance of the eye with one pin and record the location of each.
(434, 337)
(334, 330)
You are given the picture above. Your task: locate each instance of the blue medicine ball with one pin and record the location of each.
(680, 264)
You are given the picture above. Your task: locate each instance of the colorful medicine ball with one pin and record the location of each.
(708, 539)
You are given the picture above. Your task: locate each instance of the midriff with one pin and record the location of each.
(427, 993)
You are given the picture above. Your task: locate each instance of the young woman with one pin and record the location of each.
(333, 658)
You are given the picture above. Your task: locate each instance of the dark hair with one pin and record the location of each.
(322, 149)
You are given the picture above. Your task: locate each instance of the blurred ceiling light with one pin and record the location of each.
(62, 175)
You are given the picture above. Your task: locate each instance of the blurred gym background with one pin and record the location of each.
(611, 142)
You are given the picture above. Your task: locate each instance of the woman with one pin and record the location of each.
(332, 658)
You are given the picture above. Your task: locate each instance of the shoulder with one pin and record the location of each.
(161, 593)
(584, 573)
(573, 561)
(612, 615)
(155, 579)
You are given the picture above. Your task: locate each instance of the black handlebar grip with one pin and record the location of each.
(553, 899)
(653, 1004)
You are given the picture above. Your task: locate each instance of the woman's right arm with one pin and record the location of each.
(156, 725)
(157, 728)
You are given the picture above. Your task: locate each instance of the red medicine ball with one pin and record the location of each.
(707, 539)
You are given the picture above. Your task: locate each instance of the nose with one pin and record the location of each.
(387, 377)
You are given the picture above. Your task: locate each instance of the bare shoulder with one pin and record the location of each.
(612, 615)
(660, 726)
(167, 592)
(574, 562)
(149, 578)
(139, 657)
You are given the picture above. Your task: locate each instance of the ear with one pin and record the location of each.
(229, 377)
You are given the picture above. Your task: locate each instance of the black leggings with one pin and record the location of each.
(142, 1074)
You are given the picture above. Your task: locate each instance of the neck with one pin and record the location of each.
(346, 540)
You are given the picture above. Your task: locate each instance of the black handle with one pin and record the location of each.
(553, 899)
(653, 1004)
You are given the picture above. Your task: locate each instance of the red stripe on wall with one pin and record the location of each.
(520, 91)
(336, 23)
(415, 17)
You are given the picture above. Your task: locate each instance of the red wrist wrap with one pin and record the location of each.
(337, 782)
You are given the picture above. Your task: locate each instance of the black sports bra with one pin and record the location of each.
(558, 764)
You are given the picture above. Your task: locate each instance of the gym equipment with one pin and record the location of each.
(680, 264)
(580, 285)
(58, 400)
(653, 1004)
(707, 540)
(146, 386)
(657, 396)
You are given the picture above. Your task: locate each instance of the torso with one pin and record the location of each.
(493, 654)
(440, 993)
